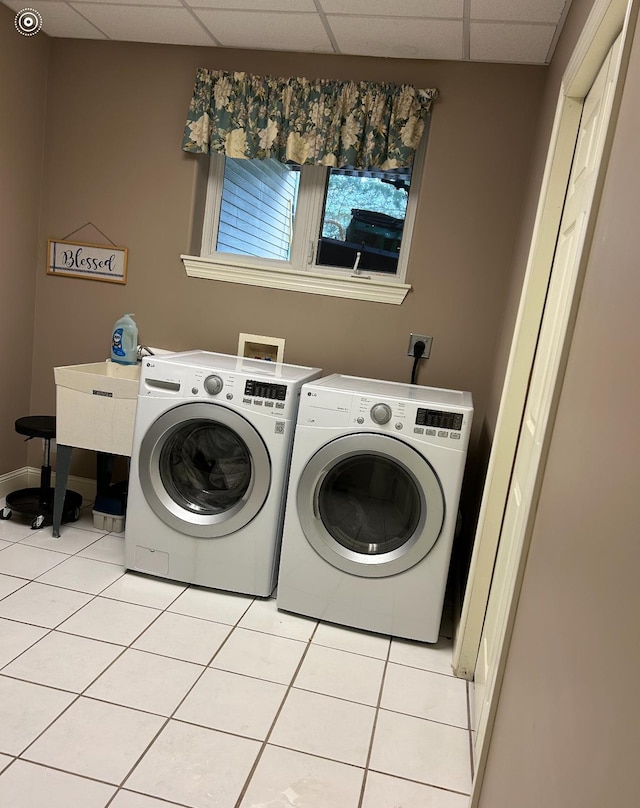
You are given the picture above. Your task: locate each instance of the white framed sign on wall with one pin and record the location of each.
(96, 262)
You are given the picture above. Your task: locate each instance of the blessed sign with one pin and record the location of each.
(93, 261)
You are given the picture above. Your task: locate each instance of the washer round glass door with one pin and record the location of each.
(204, 469)
(370, 504)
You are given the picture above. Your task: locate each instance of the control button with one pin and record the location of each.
(229, 396)
(429, 432)
(455, 436)
(381, 413)
(418, 430)
(399, 425)
(194, 390)
(258, 403)
(246, 401)
(280, 405)
(268, 403)
(213, 385)
(360, 420)
(442, 433)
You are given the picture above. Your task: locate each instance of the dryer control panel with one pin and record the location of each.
(330, 408)
(439, 419)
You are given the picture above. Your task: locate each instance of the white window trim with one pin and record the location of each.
(355, 287)
(300, 273)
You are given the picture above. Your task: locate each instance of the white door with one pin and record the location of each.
(544, 387)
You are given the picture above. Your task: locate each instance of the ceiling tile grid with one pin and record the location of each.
(518, 31)
(400, 37)
(282, 31)
(517, 10)
(504, 42)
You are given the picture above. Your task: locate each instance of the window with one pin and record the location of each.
(256, 205)
(363, 219)
(342, 232)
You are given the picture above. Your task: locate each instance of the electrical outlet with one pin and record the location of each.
(413, 338)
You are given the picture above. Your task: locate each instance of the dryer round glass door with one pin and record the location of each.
(204, 469)
(370, 504)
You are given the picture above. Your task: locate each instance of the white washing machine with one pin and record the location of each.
(372, 505)
(211, 450)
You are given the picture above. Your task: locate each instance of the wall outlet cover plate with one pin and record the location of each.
(256, 346)
(413, 338)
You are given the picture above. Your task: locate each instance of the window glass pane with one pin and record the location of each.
(205, 467)
(257, 208)
(369, 504)
(364, 213)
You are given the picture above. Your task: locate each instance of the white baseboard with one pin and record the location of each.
(13, 480)
(29, 477)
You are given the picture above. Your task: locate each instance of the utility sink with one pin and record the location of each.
(96, 406)
(78, 376)
(110, 368)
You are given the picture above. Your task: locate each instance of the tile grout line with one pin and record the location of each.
(471, 761)
(117, 786)
(77, 696)
(374, 725)
(177, 707)
(265, 742)
(81, 693)
(165, 610)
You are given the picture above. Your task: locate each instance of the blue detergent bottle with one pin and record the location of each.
(124, 341)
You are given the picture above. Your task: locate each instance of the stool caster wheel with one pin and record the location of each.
(5, 513)
(38, 522)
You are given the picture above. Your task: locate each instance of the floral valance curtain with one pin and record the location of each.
(306, 121)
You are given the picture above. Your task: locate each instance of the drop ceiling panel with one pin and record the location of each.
(121, 3)
(254, 5)
(59, 19)
(396, 8)
(503, 42)
(521, 11)
(271, 31)
(399, 38)
(140, 24)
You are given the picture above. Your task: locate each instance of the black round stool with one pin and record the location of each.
(38, 502)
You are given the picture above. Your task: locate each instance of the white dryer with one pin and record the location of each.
(211, 450)
(371, 512)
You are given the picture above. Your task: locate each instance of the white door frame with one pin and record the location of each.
(607, 19)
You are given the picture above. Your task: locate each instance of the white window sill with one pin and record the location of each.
(356, 288)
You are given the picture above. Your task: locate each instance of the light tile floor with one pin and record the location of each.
(122, 690)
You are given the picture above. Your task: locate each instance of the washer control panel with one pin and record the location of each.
(213, 385)
(275, 398)
(267, 390)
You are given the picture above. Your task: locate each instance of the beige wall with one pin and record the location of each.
(567, 731)
(114, 127)
(22, 110)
